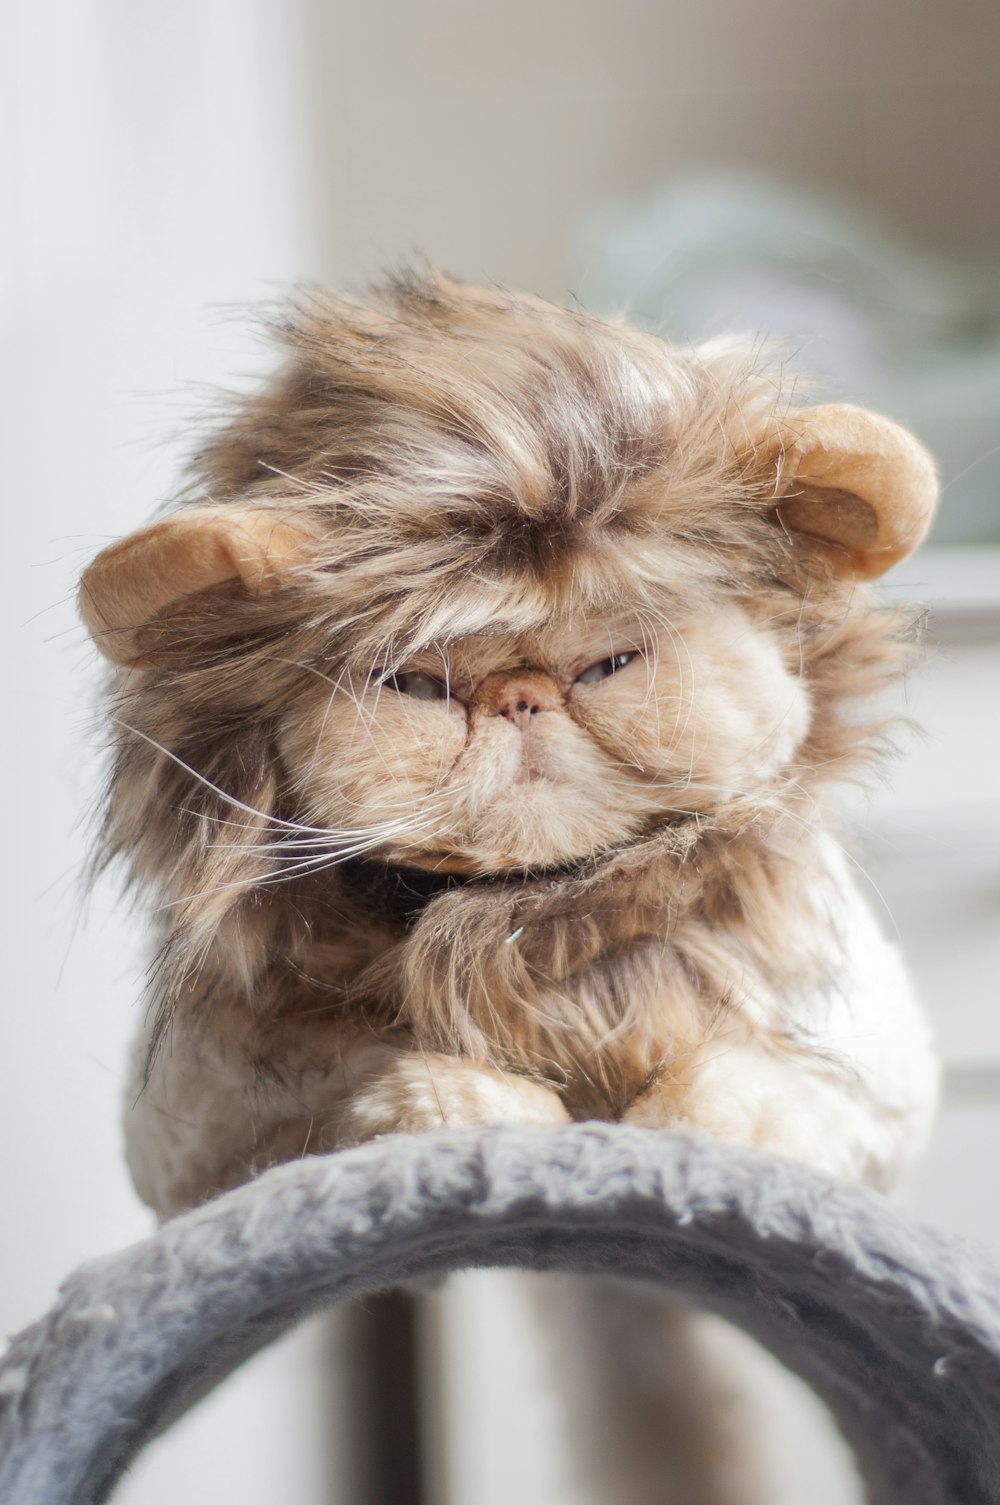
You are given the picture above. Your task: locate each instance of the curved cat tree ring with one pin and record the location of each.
(896, 1327)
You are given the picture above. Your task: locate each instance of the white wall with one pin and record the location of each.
(479, 131)
(150, 169)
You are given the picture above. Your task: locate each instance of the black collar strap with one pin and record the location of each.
(390, 892)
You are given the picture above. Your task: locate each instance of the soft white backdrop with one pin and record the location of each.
(150, 173)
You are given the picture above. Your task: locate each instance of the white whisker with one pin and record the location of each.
(230, 799)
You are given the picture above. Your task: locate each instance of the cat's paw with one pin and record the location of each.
(814, 1113)
(736, 1119)
(420, 1092)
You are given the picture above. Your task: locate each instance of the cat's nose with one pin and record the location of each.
(519, 707)
(518, 697)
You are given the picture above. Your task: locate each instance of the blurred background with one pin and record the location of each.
(819, 171)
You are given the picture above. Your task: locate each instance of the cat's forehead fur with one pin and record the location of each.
(507, 459)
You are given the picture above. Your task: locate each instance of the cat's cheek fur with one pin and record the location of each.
(730, 715)
(353, 762)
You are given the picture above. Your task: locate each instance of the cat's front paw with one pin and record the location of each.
(810, 1111)
(420, 1092)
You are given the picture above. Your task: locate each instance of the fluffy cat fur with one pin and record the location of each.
(474, 722)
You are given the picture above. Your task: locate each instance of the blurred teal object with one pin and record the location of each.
(863, 313)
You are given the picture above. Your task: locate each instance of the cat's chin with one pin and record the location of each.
(509, 847)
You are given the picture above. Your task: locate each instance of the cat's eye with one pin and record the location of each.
(417, 684)
(604, 668)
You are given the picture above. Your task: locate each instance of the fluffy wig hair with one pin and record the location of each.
(435, 461)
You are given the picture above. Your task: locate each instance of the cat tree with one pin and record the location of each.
(895, 1326)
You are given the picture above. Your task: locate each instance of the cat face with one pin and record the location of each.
(489, 752)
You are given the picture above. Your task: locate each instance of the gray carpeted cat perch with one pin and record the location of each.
(895, 1326)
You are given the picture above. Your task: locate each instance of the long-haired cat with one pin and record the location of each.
(474, 720)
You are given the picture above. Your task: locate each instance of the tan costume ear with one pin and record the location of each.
(859, 483)
(129, 582)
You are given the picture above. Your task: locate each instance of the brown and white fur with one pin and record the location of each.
(475, 717)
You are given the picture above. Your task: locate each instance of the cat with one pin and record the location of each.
(475, 717)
